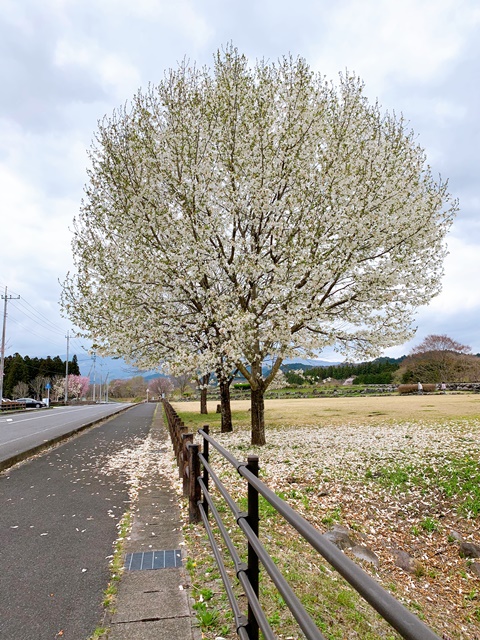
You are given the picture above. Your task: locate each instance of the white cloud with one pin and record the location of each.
(186, 17)
(66, 63)
(35, 236)
(460, 284)
(390, 42)
(16, 15)
(115, 71)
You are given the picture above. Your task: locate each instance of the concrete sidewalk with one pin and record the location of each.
(153, 601)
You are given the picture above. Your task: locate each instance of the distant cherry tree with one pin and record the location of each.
(439, 344)
(77, 386)
(160, 387)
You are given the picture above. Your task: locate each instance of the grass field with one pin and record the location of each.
(399, 473)
(325, 411)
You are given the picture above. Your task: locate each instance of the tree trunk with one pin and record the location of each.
(203, 393)
(226, 411)
(258, 416)
(203, 401)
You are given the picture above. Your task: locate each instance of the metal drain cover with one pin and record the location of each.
(148, 560)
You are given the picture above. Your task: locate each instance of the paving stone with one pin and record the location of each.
(168, 629)
(155, 604)
(151, 595)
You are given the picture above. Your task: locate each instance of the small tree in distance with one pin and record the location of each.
(439, 358)
(78, 386)
(20, 390)
(440, 344)
(38, 386)
(183, 382)
(160, 387)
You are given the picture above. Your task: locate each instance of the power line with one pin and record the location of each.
(30, 331)
(38, 318)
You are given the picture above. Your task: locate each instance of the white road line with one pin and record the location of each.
(34, 433)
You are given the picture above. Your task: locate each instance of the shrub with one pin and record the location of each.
(412, 388)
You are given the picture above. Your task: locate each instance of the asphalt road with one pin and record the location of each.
(58, 520)
(22, 431)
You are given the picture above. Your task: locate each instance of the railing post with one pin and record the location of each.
(253, 568)
(206, 428)
(187, 440)
(177, 437)
(194, 488)
(182, 431)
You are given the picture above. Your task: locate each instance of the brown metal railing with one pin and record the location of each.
(196, 487)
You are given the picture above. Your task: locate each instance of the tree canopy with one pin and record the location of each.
(439, 358)
(244, 214)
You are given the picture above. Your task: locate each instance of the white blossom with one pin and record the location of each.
(246, 213)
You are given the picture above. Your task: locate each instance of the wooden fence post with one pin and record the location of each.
(194, 487)
(182, 431)
(187, 441)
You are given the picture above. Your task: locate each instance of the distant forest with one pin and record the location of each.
(25, 369)
(379, 371)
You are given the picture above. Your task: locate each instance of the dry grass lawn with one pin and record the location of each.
(331, 411)
(400, 473)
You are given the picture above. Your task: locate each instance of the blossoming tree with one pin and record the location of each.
(77, 386)
(261, 210)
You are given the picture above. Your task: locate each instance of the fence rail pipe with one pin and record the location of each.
(241, 570)
(399, 617)
(240, 620)
(206, 456)
(253, 568)
(294, 604)
(305, 622)
(226, 454)
(221, 488)
(402, 620)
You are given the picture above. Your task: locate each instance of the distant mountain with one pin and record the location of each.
(115, 368)
(154, 376)
(392, 360)
(307, 364)
(118, 369)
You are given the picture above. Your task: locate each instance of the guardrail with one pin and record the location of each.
(196, 486)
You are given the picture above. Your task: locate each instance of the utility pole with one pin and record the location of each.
(101, 380)
(66, 368)
(94, 358)
(2, 352)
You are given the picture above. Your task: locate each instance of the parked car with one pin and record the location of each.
(30, 403)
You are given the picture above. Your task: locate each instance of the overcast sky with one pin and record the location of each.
(65, 64)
